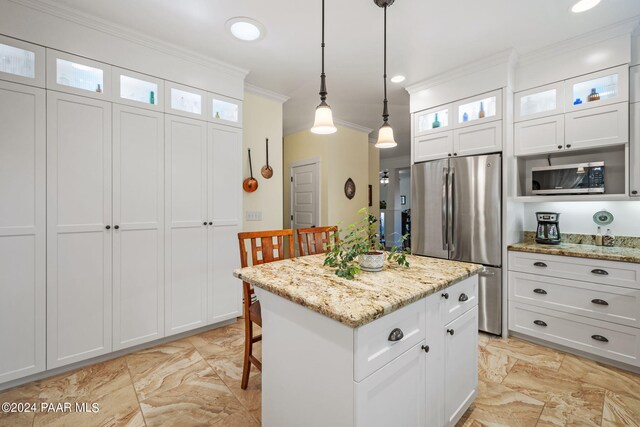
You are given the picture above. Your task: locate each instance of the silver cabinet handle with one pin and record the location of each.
(600, 271)
(445, 205)
(463, 298)
(396, 335)
(540, 323)
(452, 209)
(539, 264)
(599, 301)
(540, 291)
(599, 338)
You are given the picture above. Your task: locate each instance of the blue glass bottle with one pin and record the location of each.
(465, 117)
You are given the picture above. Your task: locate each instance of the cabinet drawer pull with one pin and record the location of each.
(599, 338)
(540, 323)
(425, 348)
(445, 295)
(599, 301)
(450, 331)
(396, 335)
(108, 227)
(539, 264)
(463, 298)
(540, 291)
(600, 271)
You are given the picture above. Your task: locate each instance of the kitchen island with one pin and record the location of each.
(398, 347)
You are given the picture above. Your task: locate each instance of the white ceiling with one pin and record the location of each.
(426, 37)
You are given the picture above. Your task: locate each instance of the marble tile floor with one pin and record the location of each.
(195, 381)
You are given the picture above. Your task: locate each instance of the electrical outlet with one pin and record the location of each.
(254, 216)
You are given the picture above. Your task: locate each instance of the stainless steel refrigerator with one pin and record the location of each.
(456, 210)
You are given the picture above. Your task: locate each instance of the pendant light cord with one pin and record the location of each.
(385, 111)
(323, 85)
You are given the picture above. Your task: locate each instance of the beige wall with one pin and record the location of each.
(374, 179)
(344, 154)
(263, 119)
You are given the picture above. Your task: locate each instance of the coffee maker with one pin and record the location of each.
(548, 230)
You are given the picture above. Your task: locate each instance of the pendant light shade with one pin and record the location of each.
(323, 123)
(385, 134)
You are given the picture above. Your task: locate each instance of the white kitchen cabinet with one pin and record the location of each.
(539, 102)
(634, 150)
(610, 86)
(138, 233)
(433, 120)
(539, 136)
(461, 365)
(77, 75)
(634, 84)
(433, 146)
(79, 306)
(22, 230)
(395, 395)
(479, 139)
(597, 127)
(225, 110)
(186, 230)
(478, 109)
(22, 62)
(185, 101)
(137, 90)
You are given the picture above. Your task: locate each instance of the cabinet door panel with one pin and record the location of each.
(539, 102)
(78, 243)
(225, 291)
(539, 136)
(461, 365)
(138, 210)
(634, 149)
(185, 233)
(225, 160)
(396, 394)
(597, 127)
(433, 146)
(22, 230)
(478, 139)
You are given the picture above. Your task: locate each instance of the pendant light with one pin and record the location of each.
(323, 123)
(385, 134)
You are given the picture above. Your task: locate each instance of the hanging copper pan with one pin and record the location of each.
(250, 184)
(267, 171)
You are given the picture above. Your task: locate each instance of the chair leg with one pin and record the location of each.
(246, 367)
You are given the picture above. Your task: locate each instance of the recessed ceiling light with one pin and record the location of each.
(245, 29)
(584, 5)
(397, 78)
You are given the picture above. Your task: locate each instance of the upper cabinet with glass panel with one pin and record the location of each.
(225, 110)
(81, 76)
(185, 101)
(596, 89)
(21, 62)
(139, 90)
(487, 107)
(539, 102)
(433, 120)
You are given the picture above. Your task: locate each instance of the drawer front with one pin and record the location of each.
(609, 303)
(617, 342)
(590, 270)
(459, 298)
(379, 342)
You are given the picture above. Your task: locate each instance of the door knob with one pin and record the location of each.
(210, 223)
(450, 331)
(108, 227)
(445, 295)
(425, 348)
(116, 227)
(204, 223)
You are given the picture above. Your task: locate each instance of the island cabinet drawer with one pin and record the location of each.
(609, 303)
(459, 298)
(610, 340)
(589, 270)
(381, 341)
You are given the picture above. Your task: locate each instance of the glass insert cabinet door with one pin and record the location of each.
(539, 102)
(226, 110)
(596, 89)
(137, 89)
(433, 120)
(185, 101)
(81, 76)
(487, 107)
(21, 62)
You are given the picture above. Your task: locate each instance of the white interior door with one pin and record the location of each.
(225, 210)
(305, 195)
(78, 242)
(186, 224)
(22, 231)
(138, 214)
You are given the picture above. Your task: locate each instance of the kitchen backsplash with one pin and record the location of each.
(587, 239)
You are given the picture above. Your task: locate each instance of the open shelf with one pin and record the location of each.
(572, 198)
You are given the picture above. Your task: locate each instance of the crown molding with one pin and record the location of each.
(69, 14)
(622, 28)
(507, 57)
(248, 87)
(336, 121)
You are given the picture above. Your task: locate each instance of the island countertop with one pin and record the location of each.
(615, 253)
(306, 281)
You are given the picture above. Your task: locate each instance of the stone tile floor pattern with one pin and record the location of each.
(196, 381)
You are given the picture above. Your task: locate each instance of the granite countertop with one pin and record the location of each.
(369, 296)
(615, 253)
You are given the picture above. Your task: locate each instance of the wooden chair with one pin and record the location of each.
(267, 251)
(316, 240)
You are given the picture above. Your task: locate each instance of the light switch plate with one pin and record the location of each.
(254, 215)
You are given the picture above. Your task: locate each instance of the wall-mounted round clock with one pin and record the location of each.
(349, 189)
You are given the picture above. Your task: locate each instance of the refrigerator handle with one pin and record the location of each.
(451, 197)
(445, 207)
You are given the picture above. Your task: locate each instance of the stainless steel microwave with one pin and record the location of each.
(579, 178)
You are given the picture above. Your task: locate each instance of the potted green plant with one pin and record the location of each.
(360, 249)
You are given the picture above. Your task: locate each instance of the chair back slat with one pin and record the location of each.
(316, 240)
(263, 247)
